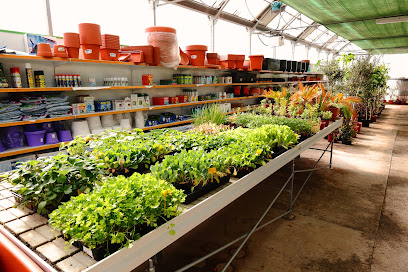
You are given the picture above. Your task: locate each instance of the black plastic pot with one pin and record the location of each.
(279, 152)
(366, 123)
(346, 141)
(282, 67)
(294, 66)
(243, 172)
(271, 64)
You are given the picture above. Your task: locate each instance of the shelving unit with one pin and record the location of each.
(105, 91)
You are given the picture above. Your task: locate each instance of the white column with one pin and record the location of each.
(49, 20)
(249, 41)
(212, 33)
(293, 50)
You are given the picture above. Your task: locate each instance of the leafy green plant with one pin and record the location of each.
(119, 211)
(46, 182)
(209, 114)
(210, 128)
(192, 167)
(327, 115)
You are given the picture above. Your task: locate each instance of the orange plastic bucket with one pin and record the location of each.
(196, 54)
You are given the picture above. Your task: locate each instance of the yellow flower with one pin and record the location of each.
(259, 152)
(164, 192)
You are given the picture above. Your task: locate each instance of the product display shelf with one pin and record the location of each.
(66, 89)
(71, 117)
(24, 59)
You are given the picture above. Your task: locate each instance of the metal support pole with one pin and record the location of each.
(249, 41)
(331, 150)
(154, 4)
(49, 20)
(291, 185)
(257, 224)
(212, 33)
(274, 52)
(293, 50)
(307, 52)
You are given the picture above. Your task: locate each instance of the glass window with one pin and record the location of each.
(248, 9)
(231, 38)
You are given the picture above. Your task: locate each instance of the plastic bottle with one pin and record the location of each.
(15, 77)
(29, 75)
(39, 79)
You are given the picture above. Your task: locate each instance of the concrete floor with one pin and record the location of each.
(351, 218)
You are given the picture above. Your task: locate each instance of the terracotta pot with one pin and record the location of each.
(73, 52)
(374, 118)
(322, 126)
(156, 56)
(148, 52)
(256, 62)
(239, 62)
(255, 91)
(184, 59)
(196, 54)
(228, 64)
(71, 39)
(44, 50)
(213, 58)
(390, 101)
(60, 51)
(110, 54)
(335, 113)
(330, 137)
(90, 51)
(90, 34)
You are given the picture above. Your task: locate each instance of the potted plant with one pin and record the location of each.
(347, 133)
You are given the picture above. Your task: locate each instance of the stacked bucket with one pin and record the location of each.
(110, 47)
(71, 42)
(90, 39)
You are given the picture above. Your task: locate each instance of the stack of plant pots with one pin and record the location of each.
(90, 39)
(110, 47)
(71, 42)
(60, 51)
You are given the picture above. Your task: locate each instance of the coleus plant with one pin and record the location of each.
(118, 211)
(46, 182)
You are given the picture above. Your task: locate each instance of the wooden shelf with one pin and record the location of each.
(65, 89)
(101, 113)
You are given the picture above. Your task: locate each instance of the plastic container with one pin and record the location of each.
(165, 39)
(148, 52)
(71, 40)
(51, 138)
(196, 54)
(228, 64)
(90, 34)
(44, 50)
(107, 121)
(245, 90)
(80, 128)
(161, 100)
(35, 138)
(64, 135)
(60, 51)
(125, 124)
(237, 90)
(90, 51)
(110, 54)
(15, 77)
(256, 62)
(13, 137)
(213, 58)
(73, 52)
(239, 62)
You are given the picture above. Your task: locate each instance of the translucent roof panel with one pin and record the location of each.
(248, 9)
(321, 29)
(280, 21)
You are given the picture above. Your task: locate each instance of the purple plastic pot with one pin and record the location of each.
(35, 138)
(51, 138)
(30, 127)
(64, 135)
(59, 125)
(13, 137)
(2, 148)
(47, 126)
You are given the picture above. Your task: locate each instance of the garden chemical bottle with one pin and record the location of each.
(15, 77)
(29, 75)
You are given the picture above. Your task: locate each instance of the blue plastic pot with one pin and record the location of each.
(35, 138)
(51, 138)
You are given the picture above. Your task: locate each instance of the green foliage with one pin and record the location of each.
(118, 211)
(254, 121)
(191, 167)
(209, 114)
(210, 128)
(327, 115)
(48, 181)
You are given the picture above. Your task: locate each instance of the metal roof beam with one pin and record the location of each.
(211, 11)
(329, 41)
(220, 9)
(290, 21)
(309, 30)
(321, 35)
(267, 15)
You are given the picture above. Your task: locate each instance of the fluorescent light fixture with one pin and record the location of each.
(391, 20)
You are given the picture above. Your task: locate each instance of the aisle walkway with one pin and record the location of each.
(342, 220)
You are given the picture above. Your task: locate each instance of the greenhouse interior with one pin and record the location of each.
(204, 135)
